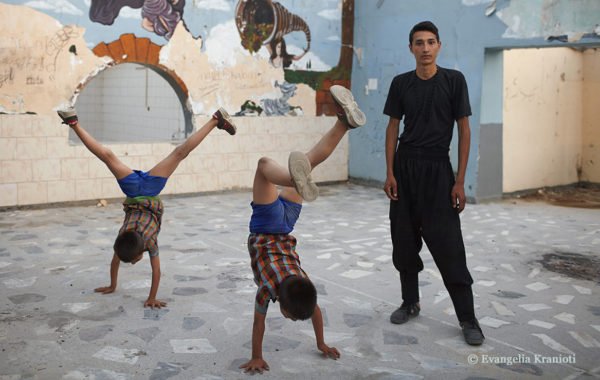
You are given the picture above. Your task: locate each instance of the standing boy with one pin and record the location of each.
(425, 197)
(143, 207)
(273, 256)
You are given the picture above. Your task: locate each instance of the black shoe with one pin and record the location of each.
(472, 332)
(404, 313)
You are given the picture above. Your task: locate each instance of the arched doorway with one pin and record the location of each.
(137, 99)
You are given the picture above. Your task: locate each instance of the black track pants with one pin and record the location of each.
(424, 212)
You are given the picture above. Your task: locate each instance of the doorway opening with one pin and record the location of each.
(540, 123)
(131, 103)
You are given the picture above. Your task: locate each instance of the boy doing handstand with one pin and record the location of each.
(143, 207)
(272, 249)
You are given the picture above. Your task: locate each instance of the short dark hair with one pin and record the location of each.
(424, 26)
(128, 246)
(298, 297)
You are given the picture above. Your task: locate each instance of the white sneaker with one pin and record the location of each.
(299, 167)
(352, 115)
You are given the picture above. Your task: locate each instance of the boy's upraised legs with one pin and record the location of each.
(116, 167)
(166, 167)
(273, 220)
(296, 179)
(142, 215)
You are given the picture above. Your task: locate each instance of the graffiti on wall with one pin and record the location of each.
(306, 44)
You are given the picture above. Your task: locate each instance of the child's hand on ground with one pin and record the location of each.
(105, 290)
(152, 303)
(255, 365)
(327, 351)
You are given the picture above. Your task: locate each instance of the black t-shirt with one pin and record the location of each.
(429, 107)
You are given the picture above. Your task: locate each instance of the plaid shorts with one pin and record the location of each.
(273, 258)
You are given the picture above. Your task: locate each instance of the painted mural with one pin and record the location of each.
(265, 23)
(281, 56)
(158, 16)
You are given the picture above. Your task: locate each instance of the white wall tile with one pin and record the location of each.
(8, 148)
(61, 191)
(46, 169)
(8, 194)
(32, 193)
(16, 171)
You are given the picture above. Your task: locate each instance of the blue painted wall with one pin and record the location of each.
(381, 42)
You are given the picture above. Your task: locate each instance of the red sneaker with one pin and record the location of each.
(224, 121)
(68, 116)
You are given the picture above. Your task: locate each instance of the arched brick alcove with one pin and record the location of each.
(131, 49)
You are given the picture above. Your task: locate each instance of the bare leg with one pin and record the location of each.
(167, 166)
(323, 149)
(116, 167)
(269, 174)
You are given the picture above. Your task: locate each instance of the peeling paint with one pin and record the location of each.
(239, 76)
(45, 73)
(196, 107)
(545, 18)
(470, 3)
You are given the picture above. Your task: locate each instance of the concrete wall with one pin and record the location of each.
(591, 116)
(468, 29)
(543, 116)
(39, 165)
(550, 117)
(489, 178)
(52, 52)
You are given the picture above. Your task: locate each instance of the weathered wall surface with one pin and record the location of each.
(543, 116)
(591, 116)
(50, 51)
(467, 29)
(39, 165)
(38, 74)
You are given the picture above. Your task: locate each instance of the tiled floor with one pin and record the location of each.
(52, 324)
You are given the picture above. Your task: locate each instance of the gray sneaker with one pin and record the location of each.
(68, 116)
(299, 167)
(348, 111)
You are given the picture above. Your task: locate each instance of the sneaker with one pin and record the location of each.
(299, 167)
(404, 313)
(472, 332)
(348, 111)
(224, 121)
(68, 116)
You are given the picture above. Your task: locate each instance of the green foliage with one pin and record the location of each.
(315, 79)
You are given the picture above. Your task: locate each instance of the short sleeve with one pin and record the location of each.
(393, 105)
(461, 106)
(152, 247)
(261, 303)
